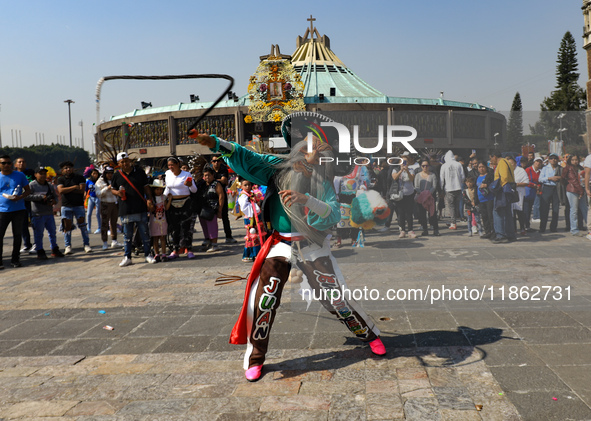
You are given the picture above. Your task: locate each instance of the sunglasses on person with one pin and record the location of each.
(5, 163)
(424, 166)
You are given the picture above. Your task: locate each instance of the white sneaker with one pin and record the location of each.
(474, 229)
(588, 236)
(115, 243)
(97, 231)
(402, 234)
(125, 262)
(87, 249)
(33, 249)
(411, 234)
(535, 220)
(150, 259)
(68, 250)
(105, 245)
(213, 248)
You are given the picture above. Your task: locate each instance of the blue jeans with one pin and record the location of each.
(503, 221)
(93, 202)
(41, 223)
(576, 204)
(129, 222)
(528, 205)
(536, 210)
(549, 197)
(79, 214)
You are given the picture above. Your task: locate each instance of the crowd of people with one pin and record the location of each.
(498, 199)
(156, 213)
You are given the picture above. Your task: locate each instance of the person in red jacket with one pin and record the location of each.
(575, 193)
(532, 191)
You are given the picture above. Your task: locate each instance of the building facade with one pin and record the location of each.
(313, 78)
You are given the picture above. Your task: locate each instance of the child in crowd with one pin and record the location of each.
(43, 198)
(158, 224)
(471, 205)
(250, 208)
(93, 200)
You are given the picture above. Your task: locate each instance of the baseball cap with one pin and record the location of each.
(552, 155)
(539, 158)
(39, 169)
(122, 155)
(109, 169)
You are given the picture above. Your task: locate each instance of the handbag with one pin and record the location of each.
(395, 192)
(207, 213)
(510, 191)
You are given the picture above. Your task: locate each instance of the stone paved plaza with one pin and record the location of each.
(168, 357)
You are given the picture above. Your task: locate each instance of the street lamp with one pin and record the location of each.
(69, 101)
(81, 124)
(496, 144)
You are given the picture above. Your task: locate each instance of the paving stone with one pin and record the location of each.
(92, 408)
(528, 379)
(540, 406)
(332, 387)
(411, 373)
(454, 415)
(138, 408)
(302, 375)
(39, 409)
(443, 376)
(83, 346)
(453, 398)
(134, 346)
(201, 390)
(34, 348)
(413, 385)
(555, 335)
(191, 344)
(161, 326)
(421, 409)
(380, 406)
(381, 387)
(28, 329)
(121, 368)
(204, 407)
(540, 318)
(268, 389)
(18, 371)
(294, 403)
(508, 355)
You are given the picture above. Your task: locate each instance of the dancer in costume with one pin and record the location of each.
(346, 188)
(294, 217)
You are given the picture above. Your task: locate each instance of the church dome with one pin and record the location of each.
(321, 69)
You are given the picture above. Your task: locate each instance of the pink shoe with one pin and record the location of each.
(173, 255)
(377, 347)
(254, 373)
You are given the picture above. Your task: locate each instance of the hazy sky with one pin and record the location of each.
(474, 51)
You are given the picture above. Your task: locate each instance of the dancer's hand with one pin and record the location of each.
(289, 197)
(203, 139)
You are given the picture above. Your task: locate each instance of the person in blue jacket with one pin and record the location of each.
(300, 207)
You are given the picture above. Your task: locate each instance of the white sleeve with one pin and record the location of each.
(318, 207)
(587, 162)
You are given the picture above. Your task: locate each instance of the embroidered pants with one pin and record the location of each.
(323, 278)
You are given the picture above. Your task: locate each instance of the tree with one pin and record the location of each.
(515, 124)
(49, 155)
(568, 96)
